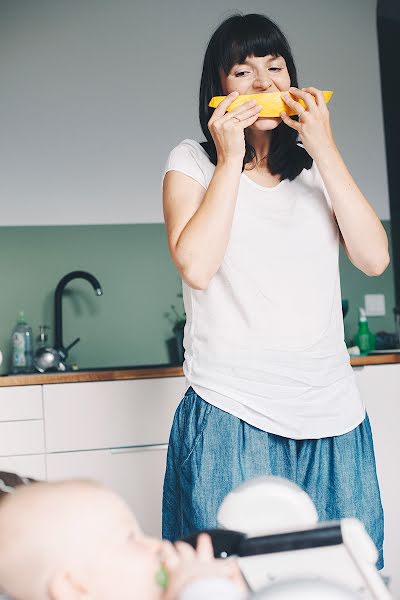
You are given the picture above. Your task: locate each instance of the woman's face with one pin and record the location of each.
(258, 74)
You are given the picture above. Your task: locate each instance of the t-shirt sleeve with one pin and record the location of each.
(322, 184)
(317, 177)
(187, 159)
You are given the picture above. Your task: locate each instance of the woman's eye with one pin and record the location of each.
(275, 69)
(241, 73)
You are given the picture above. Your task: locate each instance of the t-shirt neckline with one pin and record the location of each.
(263, 187)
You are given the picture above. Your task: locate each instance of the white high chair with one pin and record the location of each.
(284, 543)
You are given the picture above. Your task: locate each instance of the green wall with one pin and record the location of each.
(127, 325)
(355, 284)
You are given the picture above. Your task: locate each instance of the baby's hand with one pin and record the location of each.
(184, 564)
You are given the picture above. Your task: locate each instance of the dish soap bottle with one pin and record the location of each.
(22, 347)
(364, 338)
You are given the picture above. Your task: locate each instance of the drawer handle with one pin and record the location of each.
(139, 449)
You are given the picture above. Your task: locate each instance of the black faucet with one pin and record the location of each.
(58, 344)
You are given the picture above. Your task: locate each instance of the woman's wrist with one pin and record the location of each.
(233, 164)
(328, 157)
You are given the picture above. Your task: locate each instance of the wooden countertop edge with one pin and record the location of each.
(87, 376)
(152, 373)
(375, 359)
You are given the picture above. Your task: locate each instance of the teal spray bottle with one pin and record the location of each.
(364, 338)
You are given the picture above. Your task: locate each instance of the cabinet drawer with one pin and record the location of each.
(26, 466)
(110, 414)
(20, 403)
(21, 437)
(137, 474)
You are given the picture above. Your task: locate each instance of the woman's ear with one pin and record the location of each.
(65, 586)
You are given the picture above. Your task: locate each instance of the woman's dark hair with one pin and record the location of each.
(236, 38)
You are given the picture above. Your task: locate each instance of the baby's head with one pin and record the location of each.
(73, 540)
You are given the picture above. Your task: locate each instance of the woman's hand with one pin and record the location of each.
(184, 564)
(314, 125)
(227, 128)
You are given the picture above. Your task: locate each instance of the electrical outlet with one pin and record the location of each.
(374, 305)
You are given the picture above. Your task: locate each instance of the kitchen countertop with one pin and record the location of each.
(149, 372)
(106, 374)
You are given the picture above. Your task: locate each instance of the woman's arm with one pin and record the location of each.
(199, 222)
(362, 233)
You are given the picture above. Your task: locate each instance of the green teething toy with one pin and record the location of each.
(162, 577)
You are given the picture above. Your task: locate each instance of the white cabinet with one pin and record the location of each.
(22, 444)
(113, 431)
(116, 432)
(137, 474)
(110, 414)
(380, 388)
(21, 437)
(21, 403)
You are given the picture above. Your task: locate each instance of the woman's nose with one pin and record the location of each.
(262, 83)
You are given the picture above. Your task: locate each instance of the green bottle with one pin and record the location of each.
(364, 338)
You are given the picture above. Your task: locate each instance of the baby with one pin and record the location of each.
(76, 539)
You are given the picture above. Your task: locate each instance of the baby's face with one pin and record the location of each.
(75, 539)
(126, 568)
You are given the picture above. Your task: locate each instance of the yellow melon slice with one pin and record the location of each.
(272, 103)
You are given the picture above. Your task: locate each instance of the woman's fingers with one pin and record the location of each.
(237, 118)
(221, 108)
(249, 121)
(307, 98)
(296, 106)
(240, 116)
(242, 111)
(290, 122)
(249, 104)
(318, 95)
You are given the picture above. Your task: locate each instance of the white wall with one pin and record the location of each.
(94, 93)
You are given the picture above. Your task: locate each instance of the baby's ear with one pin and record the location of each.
(64, 586)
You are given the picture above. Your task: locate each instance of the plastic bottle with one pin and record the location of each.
(364, 338)
(22, 347)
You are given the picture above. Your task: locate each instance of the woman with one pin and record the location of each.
(254, 217)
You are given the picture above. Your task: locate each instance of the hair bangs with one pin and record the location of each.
(250, 36)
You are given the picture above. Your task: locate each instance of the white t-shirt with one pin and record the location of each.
(265, 340)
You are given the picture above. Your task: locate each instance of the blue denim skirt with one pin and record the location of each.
(210, 452)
